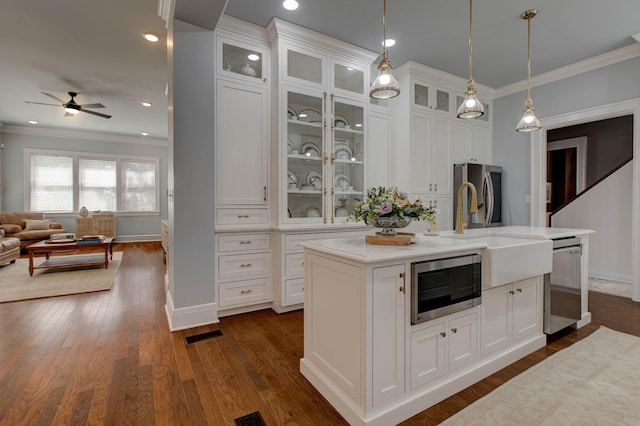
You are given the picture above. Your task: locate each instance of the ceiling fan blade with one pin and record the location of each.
(53, 97)
(42, 103)
(96, 113)
(92, 106)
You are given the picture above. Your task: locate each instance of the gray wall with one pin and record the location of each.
(511, 150)
(12, 169)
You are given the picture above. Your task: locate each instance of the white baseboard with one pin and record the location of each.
(243, 309)
(137, 238)
(193, 316)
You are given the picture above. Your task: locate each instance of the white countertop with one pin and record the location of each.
(355, 248)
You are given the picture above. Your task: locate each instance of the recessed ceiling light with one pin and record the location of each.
(636, 37)
(151, 37)
(144, 134)
(32, 122)
(146, 104)
(253, 57)
(290, 4)
(389, 42)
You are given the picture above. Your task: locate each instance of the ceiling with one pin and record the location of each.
(96, 48)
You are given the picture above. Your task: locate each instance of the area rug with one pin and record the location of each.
(617, 288)
(595, 381)
(16, 283)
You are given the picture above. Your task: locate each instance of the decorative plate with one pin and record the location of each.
(342, 181)
(310, 149)
(343, 151)
(290, 146)
(315, 179)
(341, 121)
(310, 116)
(312, 212)
(291, 177)
(291, 113)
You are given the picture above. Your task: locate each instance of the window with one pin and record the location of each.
(65, 181)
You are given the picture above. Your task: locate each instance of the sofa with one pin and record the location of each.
(28, 227)
(9, 249)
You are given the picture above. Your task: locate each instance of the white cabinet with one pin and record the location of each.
(430, 155)
(379, 152)
(510, 313)
(471, 143)
(443, 345)
(388, 324)
(432, 98)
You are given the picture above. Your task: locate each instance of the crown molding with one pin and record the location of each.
(81, 135)
(603, 60)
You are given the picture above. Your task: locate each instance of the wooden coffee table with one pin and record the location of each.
(65, 261)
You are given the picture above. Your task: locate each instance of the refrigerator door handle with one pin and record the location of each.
(490, 200)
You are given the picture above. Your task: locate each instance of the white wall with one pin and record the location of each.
(606, 209)
(511, 149)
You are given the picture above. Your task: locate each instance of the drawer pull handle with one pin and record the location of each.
(245, 291)
(245, 265)
(443, 334)
(512, 292)
(455, 330)
(243, 216)
(245, 242)
(519, 290)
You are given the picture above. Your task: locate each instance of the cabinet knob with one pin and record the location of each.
(512, 292)
(454, 330)
(443, 334)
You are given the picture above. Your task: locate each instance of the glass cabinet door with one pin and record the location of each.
(305, 67)
(346, 176)
(306, 182)
(243, 61)
(348, 78)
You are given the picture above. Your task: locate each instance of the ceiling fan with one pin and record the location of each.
(72, 107)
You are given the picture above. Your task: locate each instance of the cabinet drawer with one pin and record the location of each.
(244, 292)
(241, 266)
(242, 216)
(294, 265)
(244, 242)
(294, 291)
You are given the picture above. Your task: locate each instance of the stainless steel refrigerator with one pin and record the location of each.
(487, 180)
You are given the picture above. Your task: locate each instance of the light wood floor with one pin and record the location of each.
(108, 358)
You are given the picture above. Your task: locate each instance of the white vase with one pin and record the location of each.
(84, 212)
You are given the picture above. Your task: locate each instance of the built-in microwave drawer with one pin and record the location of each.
(243, 242)
(245, 292)
(239, 266)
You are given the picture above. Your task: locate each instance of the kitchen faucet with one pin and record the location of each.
(474, 204)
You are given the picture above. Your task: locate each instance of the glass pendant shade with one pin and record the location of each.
(471, 107)
(529, 122)
(385, 86)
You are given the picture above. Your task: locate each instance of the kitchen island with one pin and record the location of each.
(364, 355)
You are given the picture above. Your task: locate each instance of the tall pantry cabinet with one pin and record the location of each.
(243, 183)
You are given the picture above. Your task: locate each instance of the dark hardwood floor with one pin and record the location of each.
(108, 358)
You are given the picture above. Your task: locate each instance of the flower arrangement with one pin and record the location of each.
(389, 202)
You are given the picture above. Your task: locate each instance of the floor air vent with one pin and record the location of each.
(253, 419)
(203, 336)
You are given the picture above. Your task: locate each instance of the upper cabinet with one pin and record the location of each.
(322, 103)
(432, 98)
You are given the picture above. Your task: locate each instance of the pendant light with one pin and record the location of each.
(385, 86)
(528, 122)
(471, 107)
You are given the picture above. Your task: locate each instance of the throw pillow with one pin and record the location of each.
(10, 228)
(37, 225)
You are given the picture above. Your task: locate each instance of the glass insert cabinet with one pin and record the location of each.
(325, 157)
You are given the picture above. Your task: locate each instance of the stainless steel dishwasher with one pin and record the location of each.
(563, 286)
